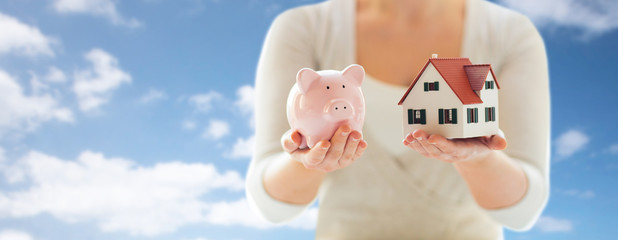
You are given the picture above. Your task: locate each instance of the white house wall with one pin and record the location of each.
(482, 128)
(431, 101)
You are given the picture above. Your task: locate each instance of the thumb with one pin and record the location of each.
(291, 140)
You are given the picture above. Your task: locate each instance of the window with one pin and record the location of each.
(473, 114)
(416, 116)
(489, 84)
(490, 114)
(447, 116)
(432, 86)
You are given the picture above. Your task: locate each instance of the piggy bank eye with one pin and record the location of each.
(327, 87)
(343, 86)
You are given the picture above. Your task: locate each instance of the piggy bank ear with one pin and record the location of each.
(305, 78)
(355, 73)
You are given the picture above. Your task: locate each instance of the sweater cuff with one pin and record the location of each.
(269, 208)
(523, 214)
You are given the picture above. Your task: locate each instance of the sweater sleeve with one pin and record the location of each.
(288, 47)
(525, 118)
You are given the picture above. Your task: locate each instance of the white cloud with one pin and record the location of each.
(115, 193)
(100, 8)
(55, 75)
(592, 17)
(20, 38)
(188, 125)
(246, 98)
(95, 85)
(2, 156)
(37, 86)
(216, 129)
(204, 102)
(551, 224)
(243, 148)
(121, 196)
(239, 213)
(571, 142)
(246, 102)
(582, 194)
(613, 149)
(152, 95)
(9, 234)
(25, 113)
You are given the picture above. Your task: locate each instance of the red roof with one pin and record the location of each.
(461, 76)
(477, 74)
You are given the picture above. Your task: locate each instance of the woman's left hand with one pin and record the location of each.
(453, 150)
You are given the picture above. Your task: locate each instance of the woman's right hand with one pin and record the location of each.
(344, 147)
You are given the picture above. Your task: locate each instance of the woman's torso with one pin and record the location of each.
(392, 192)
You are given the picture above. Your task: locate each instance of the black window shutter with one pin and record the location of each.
(423, 121)
(410, 116)
(441, 115)
(469, 111)
(437, 86)
(493, 114)
(454, 114)
(426, 85)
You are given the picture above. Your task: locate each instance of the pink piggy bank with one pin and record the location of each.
(322, 101)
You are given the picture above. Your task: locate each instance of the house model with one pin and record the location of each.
(452, 97)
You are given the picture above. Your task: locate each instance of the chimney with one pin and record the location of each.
(435, 55)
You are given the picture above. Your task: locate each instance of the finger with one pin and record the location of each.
(299, 155)
(417, 147)
(350, 149)
(338, 142)
(362, 145)
(442, 143)
(408, 140)
(419, 134)
(421, 137)
(315, 155)
(291, 141)
(432, 150)
(497, 142)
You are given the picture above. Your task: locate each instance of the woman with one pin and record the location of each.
(371, 186)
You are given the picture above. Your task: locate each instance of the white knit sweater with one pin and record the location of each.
(392, 192)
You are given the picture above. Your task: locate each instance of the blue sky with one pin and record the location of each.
(132, 119)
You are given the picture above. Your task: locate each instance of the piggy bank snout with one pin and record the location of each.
(339, 109)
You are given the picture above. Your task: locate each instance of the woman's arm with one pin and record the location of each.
(283, 180)
(494, 180)
(298, 179)
(511, 183)
(287, 48)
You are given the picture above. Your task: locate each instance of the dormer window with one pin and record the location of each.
(432, 86)
(489, 84)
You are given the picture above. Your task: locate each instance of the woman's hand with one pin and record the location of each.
(453, 150)
(327, 156)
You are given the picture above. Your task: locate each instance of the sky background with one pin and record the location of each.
(133, 119)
